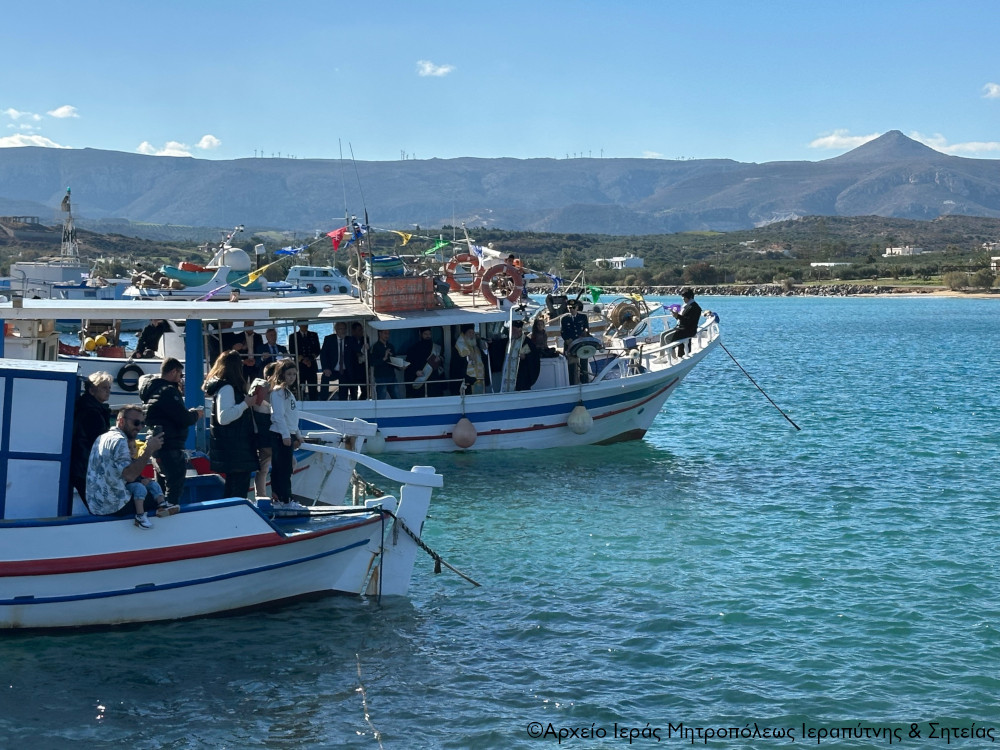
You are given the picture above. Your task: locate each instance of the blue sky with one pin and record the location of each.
(751, 81)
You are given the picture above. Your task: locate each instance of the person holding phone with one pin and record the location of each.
(166, 414)
(285, 435)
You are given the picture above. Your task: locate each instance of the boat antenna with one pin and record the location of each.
(358, 176)
(758, 387)
(343, 179)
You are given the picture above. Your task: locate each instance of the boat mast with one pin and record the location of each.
(69, 250)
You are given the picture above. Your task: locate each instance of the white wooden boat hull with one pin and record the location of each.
(213, 557)
(622, 409)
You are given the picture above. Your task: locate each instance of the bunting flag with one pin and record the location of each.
(359, 232)
(595, 293)
(437, 246)
(406, 237)
(254, 275)
(290, 250)
(556, 281)
(336, 236)
(477, 250)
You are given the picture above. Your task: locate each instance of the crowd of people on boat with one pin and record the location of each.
(254, 428)
(254, 384)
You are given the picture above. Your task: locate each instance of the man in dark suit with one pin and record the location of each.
(223, 339)
(305, 348)
(338, 356)
(271, 350)
(425, 368)
(574, 325)
(687, 321)
(254, 342)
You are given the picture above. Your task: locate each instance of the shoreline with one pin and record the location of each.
(776, 290)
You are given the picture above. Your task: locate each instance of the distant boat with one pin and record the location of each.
(319, 279)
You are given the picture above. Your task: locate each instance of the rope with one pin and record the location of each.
(438, 561)
(758, 387)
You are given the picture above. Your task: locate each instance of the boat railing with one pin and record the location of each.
(417, 476)
(665, 352)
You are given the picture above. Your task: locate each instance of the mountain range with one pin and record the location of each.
(891, 176)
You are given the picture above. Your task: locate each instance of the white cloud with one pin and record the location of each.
(63, 112)
(991, 91)
(171, 148)
(208, 142)
(427, 68)
(15, 141)
(841, 139)
(939, 143)
(651, 155)
(17, 115)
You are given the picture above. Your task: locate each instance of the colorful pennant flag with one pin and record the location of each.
(437, 246)
(336, 236)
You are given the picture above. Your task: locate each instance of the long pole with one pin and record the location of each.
(758, 387)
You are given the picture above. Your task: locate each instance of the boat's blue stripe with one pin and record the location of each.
(489, 416)
(177, 584)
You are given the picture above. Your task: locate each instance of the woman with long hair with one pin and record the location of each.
(262, 418)
(233, 451)
(285, 434)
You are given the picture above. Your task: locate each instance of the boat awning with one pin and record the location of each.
(435, 318)
(289, 308)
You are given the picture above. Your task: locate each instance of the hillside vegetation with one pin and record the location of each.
(777, 252)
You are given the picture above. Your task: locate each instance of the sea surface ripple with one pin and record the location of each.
(727, 570)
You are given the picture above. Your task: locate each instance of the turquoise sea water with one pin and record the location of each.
(725, 571)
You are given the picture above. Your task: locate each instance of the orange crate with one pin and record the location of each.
(404, 293)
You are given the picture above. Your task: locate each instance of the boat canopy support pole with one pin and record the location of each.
(194, 378)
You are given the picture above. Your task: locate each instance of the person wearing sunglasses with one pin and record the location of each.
(111, 468)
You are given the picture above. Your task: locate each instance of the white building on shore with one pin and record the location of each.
(905, 250)
(627, 261)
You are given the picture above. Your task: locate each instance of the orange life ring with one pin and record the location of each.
(502, 281)
(474, 266)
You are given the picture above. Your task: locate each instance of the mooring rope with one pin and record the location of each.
(368, 487)
(438, 560)
(758, 387)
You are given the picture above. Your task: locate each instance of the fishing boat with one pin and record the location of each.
(628, 378)
(318, 280)
(63, 568)
(218, 286)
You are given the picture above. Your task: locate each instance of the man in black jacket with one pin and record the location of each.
(687, 321)
(91, 418)
(165, 411)
(338, 357)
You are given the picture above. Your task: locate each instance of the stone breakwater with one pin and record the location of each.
(762, 290)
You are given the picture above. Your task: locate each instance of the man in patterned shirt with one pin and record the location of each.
(111, 467)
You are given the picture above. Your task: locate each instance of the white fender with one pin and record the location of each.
(464, 433)
(375, 444)
(579, 420)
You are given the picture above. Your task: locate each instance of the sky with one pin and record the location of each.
(750, 81)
